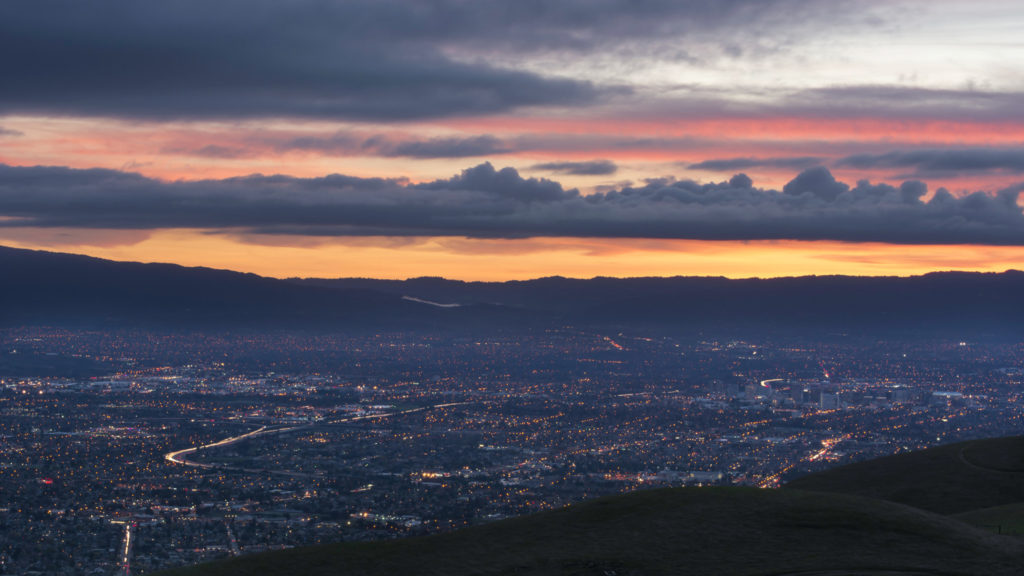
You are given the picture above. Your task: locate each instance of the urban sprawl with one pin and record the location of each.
(130, 452)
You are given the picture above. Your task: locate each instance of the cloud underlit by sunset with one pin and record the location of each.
(506, 140)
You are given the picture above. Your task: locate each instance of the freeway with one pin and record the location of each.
(827, 446)
(232, 541)
(126, 552)
(181, 456)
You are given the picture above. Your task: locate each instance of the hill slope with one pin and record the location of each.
(43, 288)
(735, 531)
(950, 479)
(948, 303)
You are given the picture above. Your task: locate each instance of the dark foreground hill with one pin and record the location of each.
(43, 288)
(951, 479)
(729, 531)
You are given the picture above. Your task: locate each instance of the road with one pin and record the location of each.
(232, 541)
(126, 552)
(827, 446)
(181, 456)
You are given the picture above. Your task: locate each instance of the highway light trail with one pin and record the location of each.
(180, 456)
(827, 446)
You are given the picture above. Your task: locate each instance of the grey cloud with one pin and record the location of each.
(398, 145)
(338, 143)
(733, 27)
(724, 164)
(504, 183)
(253, 58)
(337, 59)
(10, 132)
(487, 202)
(345, 144)
(905, 102)
(211, 151)
(740, 181)
(817, 182)
(439, 147)
(591, 168)
(835, 102)
(225, 152)
(942, 161)
(395, 60)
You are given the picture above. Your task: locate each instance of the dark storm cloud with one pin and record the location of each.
(356, 59)
(722, 164)
(591, 168)
(486, 202)
(251, 58)
(942, 161)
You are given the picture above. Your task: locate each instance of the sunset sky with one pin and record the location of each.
(493, 140)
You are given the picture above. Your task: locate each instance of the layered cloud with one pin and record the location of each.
(388, 146)
(942, 161)
(349, 144)
(917, 163)
(900, 102)
(486, 202)
(589, 168)
(396, 60)
(746, 163)
(355, 59)
(254, 58)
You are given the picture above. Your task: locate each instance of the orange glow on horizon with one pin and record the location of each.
(652, 148)
(497, 260)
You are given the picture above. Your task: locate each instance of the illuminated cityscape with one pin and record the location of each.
(133, 458)
(283, 273)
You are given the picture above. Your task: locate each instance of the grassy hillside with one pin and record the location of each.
(735, 531)
(1006, 519)
(951, 479)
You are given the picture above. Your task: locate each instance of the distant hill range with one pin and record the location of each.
(835, 531)
(43, 288)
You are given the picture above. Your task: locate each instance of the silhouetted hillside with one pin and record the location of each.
(734, 531)
(43, 288)
(950, 479)
(950, 303)
(63, 289)
(834, 530)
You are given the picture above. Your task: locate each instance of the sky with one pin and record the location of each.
(497, 140)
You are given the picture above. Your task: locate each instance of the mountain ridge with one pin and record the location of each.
(47, 288)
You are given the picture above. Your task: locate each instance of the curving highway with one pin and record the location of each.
(181, 456)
